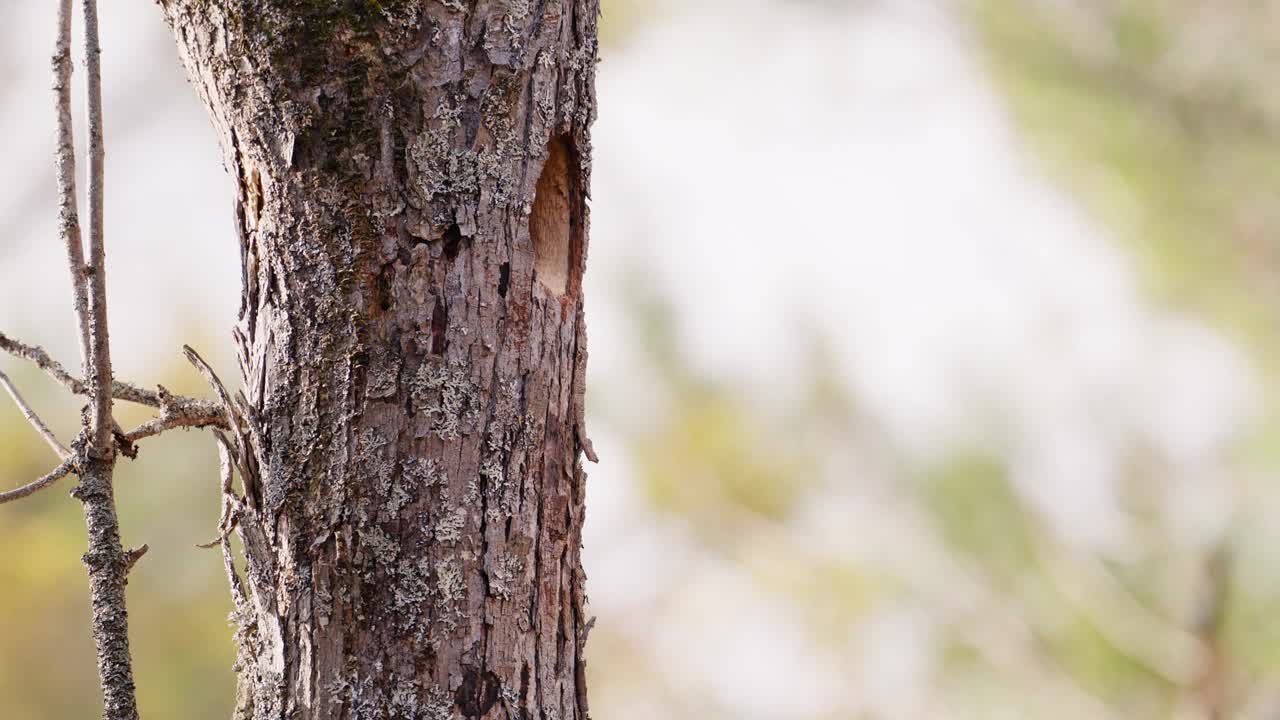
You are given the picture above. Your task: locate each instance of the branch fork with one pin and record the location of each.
(92, 456)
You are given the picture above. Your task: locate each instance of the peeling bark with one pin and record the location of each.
(410, 428)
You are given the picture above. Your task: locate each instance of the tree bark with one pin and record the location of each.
(412, 181)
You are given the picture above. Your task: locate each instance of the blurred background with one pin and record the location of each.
(935, 347)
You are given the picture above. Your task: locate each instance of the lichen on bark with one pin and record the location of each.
(412, 392)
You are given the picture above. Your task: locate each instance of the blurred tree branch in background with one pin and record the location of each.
(1164, 117)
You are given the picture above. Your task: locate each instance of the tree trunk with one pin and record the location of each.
(412, 182)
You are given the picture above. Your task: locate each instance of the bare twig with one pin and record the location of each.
(124, 391)
(106, 560)
(67, 467)
(34, 419)
(230, 503)
(41, 359)
(239, 444)
(133, 555)
(1131, 628)
(177, 411)
(238, 594)
(214, 382)
(223, 533)
(98, 371)
(68, 215)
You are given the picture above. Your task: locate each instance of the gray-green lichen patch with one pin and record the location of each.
(384, 549)
(412, 592)
(504, 39)
(439, 705)
(446, 397)
(445, 175)
(339, 689)
(504, 579)
(398, 497)
(491, 471)
(544, 93)
(421, 472)
(404, 696)
(369, 443)
(323, 604)
(384, 374)
(437, 166)
(449, 528)
(450, 592)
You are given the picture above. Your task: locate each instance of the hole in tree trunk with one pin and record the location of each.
(553, 224)
(439, 328)
(504, 279)
(452, 241)
(477, 693)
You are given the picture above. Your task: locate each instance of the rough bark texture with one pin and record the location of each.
(412, 206)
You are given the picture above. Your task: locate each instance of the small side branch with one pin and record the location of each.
(67, 467)
(127, 392)
(34, 419)
(230, 503)
(240, 443)
(40, 358)
(176, 411)
(133, 555)
(68, 214)
(230, 514)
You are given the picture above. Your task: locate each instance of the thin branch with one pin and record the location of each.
(238, 594)
(67, 467)
(133, 555)
(34, 419)
(175, 410)
(36, 355)
(214, 382)
(199, 416)
(223, 534)
(1212, 684)
(98, 371)
(240, 444)
(41, 359)
(68, 215)
(1130, 627)
(230, 503)
(106, 560)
